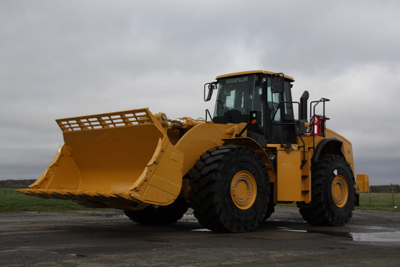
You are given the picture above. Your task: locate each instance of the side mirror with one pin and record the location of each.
(208, 90)
(277, 83)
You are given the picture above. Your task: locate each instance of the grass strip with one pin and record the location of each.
(10, 200)
(379, 201)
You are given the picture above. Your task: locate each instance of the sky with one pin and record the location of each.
(69, 58)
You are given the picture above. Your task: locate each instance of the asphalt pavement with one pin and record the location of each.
(109, 238)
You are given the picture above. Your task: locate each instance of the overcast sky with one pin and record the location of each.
(69, 58)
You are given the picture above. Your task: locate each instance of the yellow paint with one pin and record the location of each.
(200, 139)
(288, 175)
(243, 190)
(339, 191)
(131, 159)
(113, 165)
(362, 183)
(250, 72)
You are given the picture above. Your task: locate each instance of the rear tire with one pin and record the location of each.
(230, 189)
(333, 192)
(159, 215)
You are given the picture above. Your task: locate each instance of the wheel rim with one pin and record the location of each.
(243, 190)
(340, 191)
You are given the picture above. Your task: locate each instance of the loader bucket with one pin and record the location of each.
(120, 160)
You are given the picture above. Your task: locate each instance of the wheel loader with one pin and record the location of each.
(259, 148)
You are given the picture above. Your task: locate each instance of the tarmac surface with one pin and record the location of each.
(108, 238)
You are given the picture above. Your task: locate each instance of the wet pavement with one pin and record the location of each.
(372, 238)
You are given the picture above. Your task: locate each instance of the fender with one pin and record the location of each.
(254, 145)
(328, 146)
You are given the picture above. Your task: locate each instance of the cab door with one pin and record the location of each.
(280, 116)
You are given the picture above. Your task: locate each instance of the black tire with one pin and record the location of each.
(271, 204)
(271, 209)
(161, 215)
(222, 191)
(333, 192)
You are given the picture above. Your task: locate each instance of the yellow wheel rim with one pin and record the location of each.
(340, 191)
(243, 190)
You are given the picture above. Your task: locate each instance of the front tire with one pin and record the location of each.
(159, 215)
(230, 189)
(333, 192)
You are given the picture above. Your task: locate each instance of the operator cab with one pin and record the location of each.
(268, 93)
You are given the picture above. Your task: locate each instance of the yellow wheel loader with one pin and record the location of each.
(232, 167)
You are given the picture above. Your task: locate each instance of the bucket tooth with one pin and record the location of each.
(31, 192)
(35, 192)
(59, 194)
(118, 200)
(42, 193)
(92, 198)
(105, 198)
(87, 195)
(86, 199)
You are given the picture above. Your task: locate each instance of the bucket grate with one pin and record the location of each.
(105, 120)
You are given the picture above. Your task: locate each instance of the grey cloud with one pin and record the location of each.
(69, 58)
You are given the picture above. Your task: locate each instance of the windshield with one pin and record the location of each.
(237, 96)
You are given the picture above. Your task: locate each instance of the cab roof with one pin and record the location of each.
(251, 72)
